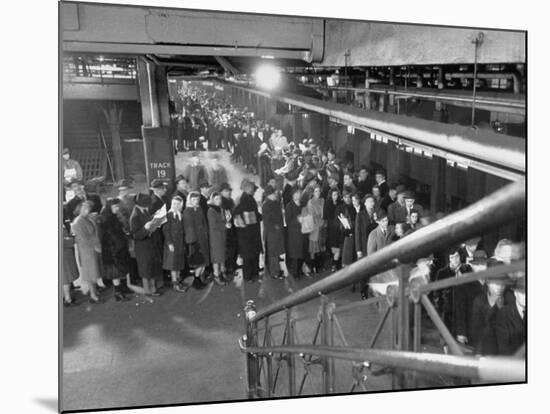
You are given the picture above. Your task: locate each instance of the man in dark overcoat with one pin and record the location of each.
(455, 304)
(148, 244)
(249, 237)
(511, 321)
(273, 232)
(231, 252)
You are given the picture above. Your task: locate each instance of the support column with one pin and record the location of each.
(113, 117)
(157, 143)
(438, 191)
(392, 163)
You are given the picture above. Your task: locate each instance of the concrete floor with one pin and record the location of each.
(182, 348)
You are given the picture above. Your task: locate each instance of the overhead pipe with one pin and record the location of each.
(489, 75)
(516, 104)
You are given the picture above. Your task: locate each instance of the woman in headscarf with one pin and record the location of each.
(88, 247)
(217, 236)
(173, 258)
(114, 246)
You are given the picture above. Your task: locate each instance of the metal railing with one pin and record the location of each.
(404, 359)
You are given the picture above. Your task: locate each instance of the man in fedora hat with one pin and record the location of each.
(273, 231)
(148, 244)
(159, 188)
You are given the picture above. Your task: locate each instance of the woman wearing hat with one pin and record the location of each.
(114, 246)
(88, 247)
(249, 235)
(173, 258)
(217, 226)
(148, 244)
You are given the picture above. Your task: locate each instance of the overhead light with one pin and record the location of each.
(268, 77)
(268, 57)
(101, 59)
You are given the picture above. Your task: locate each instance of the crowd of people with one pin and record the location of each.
(316, 215)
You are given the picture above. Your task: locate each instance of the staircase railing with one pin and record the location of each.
(404, 359)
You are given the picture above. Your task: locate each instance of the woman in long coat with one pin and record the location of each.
(88, 247)
(173, 258)
(114, 245)
(316, 239)
(217, 236)
(334, 232)
(295, 238)
(148, 244)
(273, 231)
(70, 269)
(349, 209)
(249, 237)
(196, 235)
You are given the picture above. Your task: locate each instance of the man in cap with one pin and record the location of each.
(511, 322)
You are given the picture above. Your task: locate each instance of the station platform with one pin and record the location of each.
(183, 347)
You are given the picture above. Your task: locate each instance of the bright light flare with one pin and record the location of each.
(268, 77)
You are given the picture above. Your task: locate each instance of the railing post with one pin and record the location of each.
(325, 338)
(251, 341)
(290, 356)
(269, 358)
(332, 361)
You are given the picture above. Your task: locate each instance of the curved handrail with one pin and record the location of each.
(493, 210)
(495, 369)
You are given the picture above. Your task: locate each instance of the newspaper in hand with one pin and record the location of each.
(159, 218)
(345, 222)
